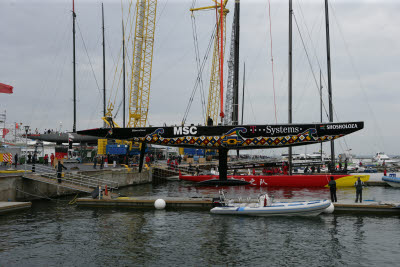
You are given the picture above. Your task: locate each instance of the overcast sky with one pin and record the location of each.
(36, 58)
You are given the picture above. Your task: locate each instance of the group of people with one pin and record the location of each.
(359, 185)
(174, 162)
(33, 158)
(99, 158)
(312, 169)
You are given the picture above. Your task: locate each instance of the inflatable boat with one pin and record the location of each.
(392, 180)
(265, 207)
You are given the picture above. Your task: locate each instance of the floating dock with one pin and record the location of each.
(147, 202)
(367, 207)
(13, 206)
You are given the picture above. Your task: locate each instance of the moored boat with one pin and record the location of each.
(392, 180)
(266, 207)
(306, 180)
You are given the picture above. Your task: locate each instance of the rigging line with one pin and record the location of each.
(272, 58)
(87, 54)
(45, 81)
(308, 58)
(109, 46)
(95, 110)
(353, 66)
(160, 13)
(119, 107)
(196, 48)
(58, 72)
(202, 68)
(115, 75)
(309, 36)
(193, 4)
(251, 104)
(119, 82)
(129, 18)
(202, 91)
(312, 43)
(29, 194)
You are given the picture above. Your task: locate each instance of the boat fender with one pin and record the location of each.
(329, 209)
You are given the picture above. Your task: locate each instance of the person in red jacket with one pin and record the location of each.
(148, 160)
(52, 159)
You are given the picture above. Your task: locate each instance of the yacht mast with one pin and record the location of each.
(320, 102)
(104, 67)
(290, 80)
(328, 54)
(235, 115)
(123, 72)
(74, 64)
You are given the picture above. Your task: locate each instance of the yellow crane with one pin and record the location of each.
(142, 62)
(139, 95)
(143, 41)
(214, 93)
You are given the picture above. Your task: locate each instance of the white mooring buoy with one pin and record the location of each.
(159, 204)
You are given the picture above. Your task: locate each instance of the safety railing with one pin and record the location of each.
(74, 178)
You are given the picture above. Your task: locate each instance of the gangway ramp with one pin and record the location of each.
(75, 181)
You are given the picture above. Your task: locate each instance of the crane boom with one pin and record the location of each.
(142, 62)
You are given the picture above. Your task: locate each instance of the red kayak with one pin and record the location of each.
(298, 180)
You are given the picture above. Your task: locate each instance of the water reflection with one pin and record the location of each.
(334, 243)
(54, 233)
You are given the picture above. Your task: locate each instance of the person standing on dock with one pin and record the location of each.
(94, 162)
(101, 162)
(60, 166)
(52, 159)
(332, 188)
(359, 187)
(16, 160)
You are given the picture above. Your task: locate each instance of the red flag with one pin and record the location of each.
(7, 89)
(5, 131)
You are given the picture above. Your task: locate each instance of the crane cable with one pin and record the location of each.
(272, 58)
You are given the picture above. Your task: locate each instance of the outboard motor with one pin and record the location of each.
(264, 200)
(220, 201)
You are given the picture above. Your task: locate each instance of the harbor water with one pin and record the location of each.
(54, 233)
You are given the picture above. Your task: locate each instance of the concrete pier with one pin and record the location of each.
(13, 187)
(13, 206)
